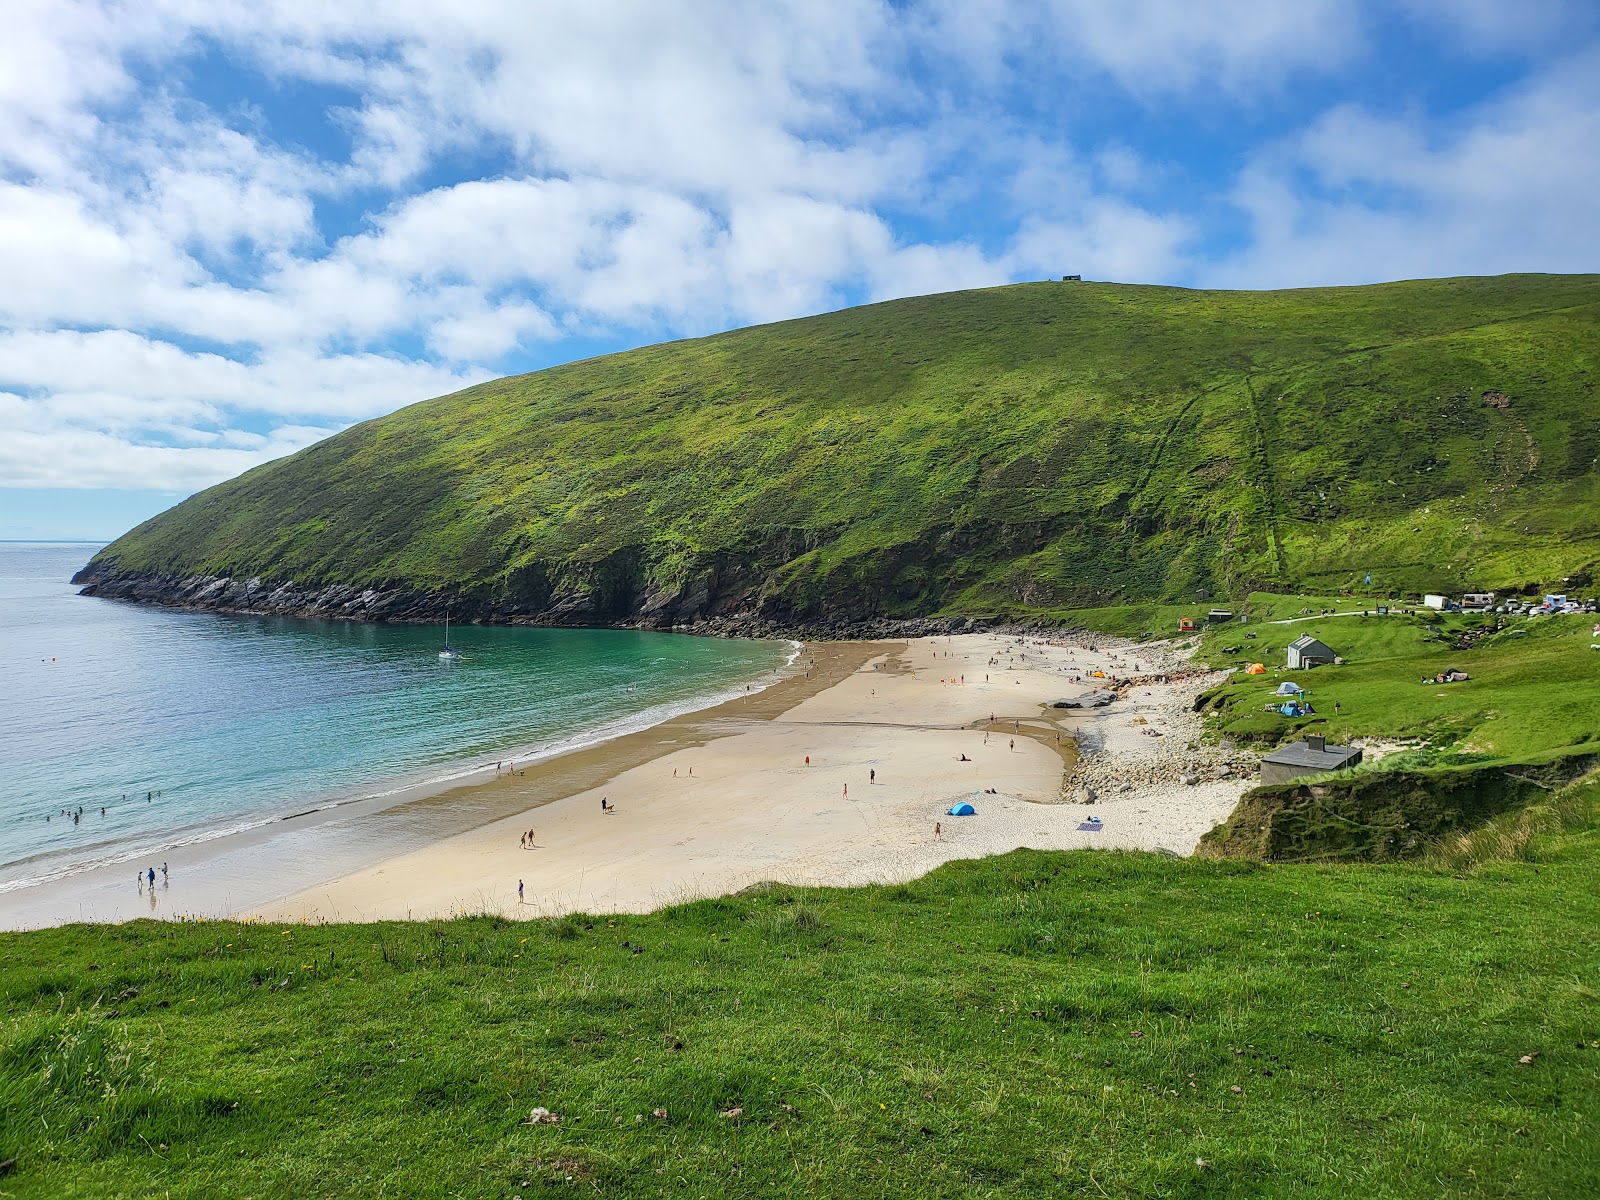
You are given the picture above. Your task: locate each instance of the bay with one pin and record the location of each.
(185, 726)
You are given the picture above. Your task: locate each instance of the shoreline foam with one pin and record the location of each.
(73, 875)
(755, 810)
(788, 797)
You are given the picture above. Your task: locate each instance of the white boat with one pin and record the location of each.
(449, 653)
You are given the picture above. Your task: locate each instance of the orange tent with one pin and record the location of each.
(1256, 669)
(1185, 624)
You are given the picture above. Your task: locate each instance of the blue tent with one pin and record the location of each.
(963, 810)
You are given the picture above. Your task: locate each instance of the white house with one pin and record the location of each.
(1306, 651)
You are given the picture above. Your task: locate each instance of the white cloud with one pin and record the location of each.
(1153, 49)
(1507, 188)
(205, 283)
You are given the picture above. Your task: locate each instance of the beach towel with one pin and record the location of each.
(1090, 827)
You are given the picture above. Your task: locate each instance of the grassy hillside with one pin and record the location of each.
(1532, 688)
(1024, 449)
(1034, 1025)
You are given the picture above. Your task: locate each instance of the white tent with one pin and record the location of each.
(1289, 689)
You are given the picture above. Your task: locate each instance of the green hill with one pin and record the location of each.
(1023, 449)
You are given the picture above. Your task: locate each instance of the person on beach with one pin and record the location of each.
(519, 891)
(1013, 745)
(163, 873)
(847, 791)
(938, 831)
(808, 760)
(872, 775)
(603, 806)
(152, 878)
(523, 841)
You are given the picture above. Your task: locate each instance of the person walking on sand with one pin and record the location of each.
(519, 891)
(938, 831)
(1013, 745)
(872, 775)
(523, 841)
(603, 805)
(152, 879)
(847, 791)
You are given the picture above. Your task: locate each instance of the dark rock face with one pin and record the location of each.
(589, 604)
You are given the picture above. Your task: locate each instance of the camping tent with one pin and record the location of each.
(1287, 688)
(1256, 669)
(962, 810)
(1290, 709)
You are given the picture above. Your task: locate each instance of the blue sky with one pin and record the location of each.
(229, 229)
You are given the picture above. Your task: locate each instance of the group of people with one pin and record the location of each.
(75, 815)
(140, 878)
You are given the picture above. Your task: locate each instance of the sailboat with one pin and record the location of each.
(449, 653)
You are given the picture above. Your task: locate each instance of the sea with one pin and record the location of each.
(129, 732)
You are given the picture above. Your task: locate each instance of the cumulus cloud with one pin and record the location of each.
(229, 227)
(1359, 196)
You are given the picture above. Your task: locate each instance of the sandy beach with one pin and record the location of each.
(839, 778)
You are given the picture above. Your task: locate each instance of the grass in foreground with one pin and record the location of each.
(1037, 1024)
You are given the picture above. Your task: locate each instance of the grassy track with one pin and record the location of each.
(1021, 450)
(1037, 1024)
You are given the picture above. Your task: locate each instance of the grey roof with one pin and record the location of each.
(1299, 754)
(1305, 642)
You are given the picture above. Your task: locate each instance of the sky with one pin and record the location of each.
(231, 228)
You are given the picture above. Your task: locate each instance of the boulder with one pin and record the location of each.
(1096, 699)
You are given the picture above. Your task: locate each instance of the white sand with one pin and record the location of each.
(754, 810)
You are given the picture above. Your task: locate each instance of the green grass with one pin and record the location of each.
(1036, 1024)
(1532, 687)
(1025, 451)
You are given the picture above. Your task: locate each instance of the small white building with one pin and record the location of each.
(1437, 603)
(1306, 651)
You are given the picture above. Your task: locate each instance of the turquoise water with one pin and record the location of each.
(224, 721)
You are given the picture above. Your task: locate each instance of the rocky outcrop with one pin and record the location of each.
(575, 605)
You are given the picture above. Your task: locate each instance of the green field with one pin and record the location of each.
(1533, 686)
(1038, 1024)
(1023, 451)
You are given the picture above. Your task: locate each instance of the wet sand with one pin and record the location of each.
(241, 871)
(836, 779)
(709, 802)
